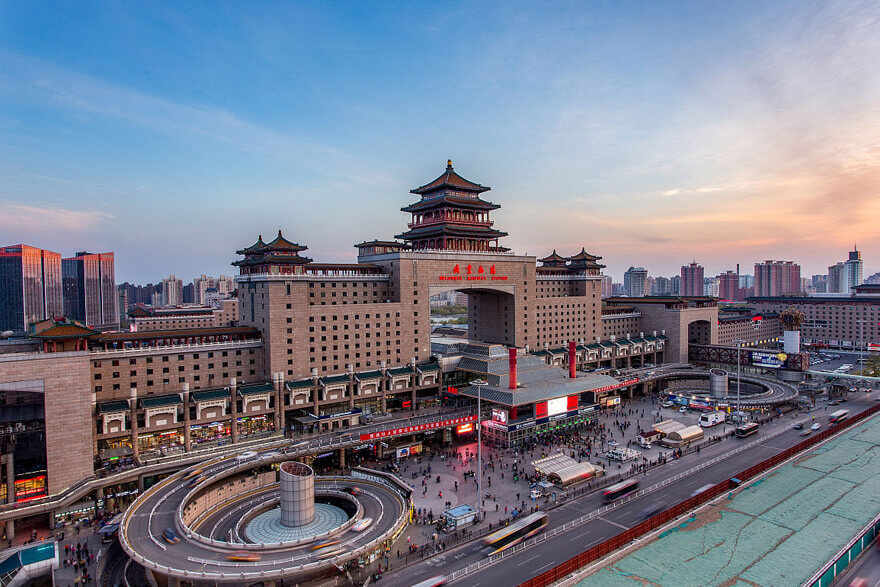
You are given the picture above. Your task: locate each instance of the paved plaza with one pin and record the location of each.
(775, 531)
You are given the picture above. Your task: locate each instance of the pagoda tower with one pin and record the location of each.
(279, 256)
(451, 216)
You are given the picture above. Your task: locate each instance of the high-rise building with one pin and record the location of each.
(777, 278)
(710, 286)
(728, 286)
(692, 279)
(746, 280)
(89, 285)
(853, 270)
(30, 286)
(635, 282)
(662, 287)
(172, 291)
(607, 286)
(819, 284)
(675, 285)
(873, 279)
(836, 278)
(617, 289)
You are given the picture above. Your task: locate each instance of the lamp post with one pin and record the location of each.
(479, 384)
(739, 342)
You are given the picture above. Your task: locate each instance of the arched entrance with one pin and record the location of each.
(700, 332)
(491, 312)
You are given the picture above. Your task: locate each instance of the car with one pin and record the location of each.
(702, 489)
(355, 491)
(683, 410)
(613, 443)
(799, 426)
(324, 544)
(170, 536)
(362, 525)
(806, 432)
(834, 403)
(325, 554)
(652, 510)
(815, 426)
(243, 556)
(668, 404)
(842, 400)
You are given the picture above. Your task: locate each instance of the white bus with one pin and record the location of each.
(711, 419)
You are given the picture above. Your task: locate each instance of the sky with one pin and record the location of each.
(650, 133)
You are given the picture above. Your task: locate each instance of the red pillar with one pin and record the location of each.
(572, 360)
(511, 360)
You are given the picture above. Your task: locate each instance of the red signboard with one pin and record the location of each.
(418, 428)
(472, 272)
(541, 409)
(465, 428)
(622, 384)
(452, 390)
(572, 402)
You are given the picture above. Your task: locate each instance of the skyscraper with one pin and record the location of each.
(777, 278)
(692, 279)
(30, 286)
(89, 285)
(728, 286)
(635, 282)
(172, 291)
(607, 286)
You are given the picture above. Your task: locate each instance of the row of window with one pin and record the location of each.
(165, 358)
(180, 368)
(196, 379)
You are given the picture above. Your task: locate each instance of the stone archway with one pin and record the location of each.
(491, 312)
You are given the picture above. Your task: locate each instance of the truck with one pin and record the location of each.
(710, 419)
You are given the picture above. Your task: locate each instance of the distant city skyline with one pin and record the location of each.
(650, 134)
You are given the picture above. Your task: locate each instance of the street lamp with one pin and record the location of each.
(739, 343)
(479, 384)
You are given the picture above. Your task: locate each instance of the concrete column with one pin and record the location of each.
(10, 529)
(297, 491)
(341, 458)
(10, 474)
(233, 409)
(278, 382)
(132, 405)
(140, 484)
(51, 520)
(187, 434)
(99, 496)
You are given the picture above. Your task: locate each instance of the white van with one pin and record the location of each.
(711, 419)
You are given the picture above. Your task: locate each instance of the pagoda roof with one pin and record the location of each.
(450, 179)
(378, 243)
(553, 259)
(451, 230)
(452, 201)
(62, 328)
(271, 259)
(282, 244)
(583, 256)
(253, 248)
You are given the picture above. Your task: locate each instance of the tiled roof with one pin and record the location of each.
(183, 333)
(206, 394)
(450, 178)
(335, 379)
(429, 367)
(299, 384)
(65, 329)
(451, 230)
(553, 259)
(551, 384)
(111, 407)
(400, 370)
(369, 375)
(256, 388)
(156, 401)
(254, 247)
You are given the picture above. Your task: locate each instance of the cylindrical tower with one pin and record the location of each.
(718, 383)
(297, 494)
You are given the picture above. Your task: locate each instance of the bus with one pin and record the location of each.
(746, 429)
(618, 490)
(838, 416)
(110, 530)
(515, 533)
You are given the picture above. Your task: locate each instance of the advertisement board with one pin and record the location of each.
(465, 428)
(499, 415)
(557, 406)
(769, 360)
(417, 428)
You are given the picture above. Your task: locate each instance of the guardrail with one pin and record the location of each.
(827, 574)
(581, 560)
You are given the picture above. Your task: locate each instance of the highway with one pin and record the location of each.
(512, 570)
(158, 509)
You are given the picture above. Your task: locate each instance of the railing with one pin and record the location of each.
(201, 345)
(826, 575)
(579, 561)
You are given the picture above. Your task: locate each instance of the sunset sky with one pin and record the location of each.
(650, 133)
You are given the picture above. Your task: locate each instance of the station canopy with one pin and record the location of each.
(686, 434)
(564, 470)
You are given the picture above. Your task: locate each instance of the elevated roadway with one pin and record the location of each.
(203, 551)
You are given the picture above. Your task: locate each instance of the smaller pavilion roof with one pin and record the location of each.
(299, 384)
(450, 179)
(407, 370)
(256, 388)
(113, 407)
(554, 259)
(61, 328)
(253, 248)
(335, 379)
(208, 394)
(157, 401)
(363, 376)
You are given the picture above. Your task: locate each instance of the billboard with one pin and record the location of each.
(769, 360)
(499, 415)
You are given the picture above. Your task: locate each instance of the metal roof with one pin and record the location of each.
(160, 400)
(255, 389)
(206, 394)
(111, 407)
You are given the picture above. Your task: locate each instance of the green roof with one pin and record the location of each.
(559, 351)
(335, 379)
(206, 394)
(256, 388)
(401, 371)
(299, 384)
(156, 401)
(369, 375)
(429, 367)
(541, 353)
(111, 407)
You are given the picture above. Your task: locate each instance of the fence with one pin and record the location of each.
(581, 560)
(826, 575)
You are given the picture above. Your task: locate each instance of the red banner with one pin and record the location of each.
(621, 384)
(418, 428)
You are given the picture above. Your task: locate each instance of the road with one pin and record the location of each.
(772, 438)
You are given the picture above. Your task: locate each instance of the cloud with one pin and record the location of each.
(41, 220)
(673, 192)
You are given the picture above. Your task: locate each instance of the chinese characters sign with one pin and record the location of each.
(418, 428)
(471, 272)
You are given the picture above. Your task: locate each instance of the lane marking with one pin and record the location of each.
(612, 523)
(528, 559)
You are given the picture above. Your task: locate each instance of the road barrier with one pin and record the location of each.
(607, 547)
